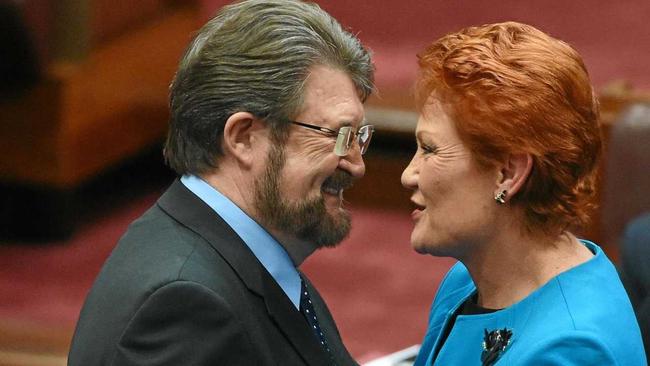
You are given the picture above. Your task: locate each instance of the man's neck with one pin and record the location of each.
(235, 186)
(297, 249)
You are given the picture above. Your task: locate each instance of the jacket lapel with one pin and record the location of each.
(327, 324)
(292, 323)
(189, 210)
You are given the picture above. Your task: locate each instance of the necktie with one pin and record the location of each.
(307, 309)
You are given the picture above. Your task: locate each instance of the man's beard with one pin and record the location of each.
(307, 219)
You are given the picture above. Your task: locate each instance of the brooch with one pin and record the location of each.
(494, 343)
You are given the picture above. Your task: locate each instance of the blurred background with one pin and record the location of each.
(83, 112)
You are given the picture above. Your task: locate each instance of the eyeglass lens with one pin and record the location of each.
(346, 138)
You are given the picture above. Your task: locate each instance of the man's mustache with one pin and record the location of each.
(340, 180)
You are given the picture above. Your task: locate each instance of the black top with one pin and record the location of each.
(469, 307)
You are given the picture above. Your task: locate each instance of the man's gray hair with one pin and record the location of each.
(254, 56)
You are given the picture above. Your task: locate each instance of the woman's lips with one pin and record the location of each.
(417, 212)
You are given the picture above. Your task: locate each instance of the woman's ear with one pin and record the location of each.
(241, 137)
(513, 175)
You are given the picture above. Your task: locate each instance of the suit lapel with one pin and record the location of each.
(328, 326)
(189, 210)
(292, 323)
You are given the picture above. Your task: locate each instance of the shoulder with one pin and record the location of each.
(156, 224)
(153, 251)
(590, 291)
(575, 311)
(157, 249)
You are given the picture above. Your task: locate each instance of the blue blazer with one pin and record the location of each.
(580, 317)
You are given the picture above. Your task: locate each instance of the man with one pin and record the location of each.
(635, 271)
(267, 132)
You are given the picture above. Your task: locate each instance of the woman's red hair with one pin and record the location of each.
(512, 89)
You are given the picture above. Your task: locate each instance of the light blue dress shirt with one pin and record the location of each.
(268, 251)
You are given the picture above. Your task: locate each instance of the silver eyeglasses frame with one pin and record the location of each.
(345, 136)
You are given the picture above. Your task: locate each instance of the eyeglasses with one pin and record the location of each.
(345, 136)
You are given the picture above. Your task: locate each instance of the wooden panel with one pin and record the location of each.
(109, 18)
(90, 115)
(25, 343)
(28, 141)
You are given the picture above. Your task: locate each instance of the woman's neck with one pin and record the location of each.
(511, 267)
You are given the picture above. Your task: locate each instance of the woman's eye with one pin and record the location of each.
(428, 149)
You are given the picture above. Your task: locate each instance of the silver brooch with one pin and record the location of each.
(494, 344)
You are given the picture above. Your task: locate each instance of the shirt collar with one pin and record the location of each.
(268, 251)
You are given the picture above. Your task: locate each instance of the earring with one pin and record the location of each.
(500, 197)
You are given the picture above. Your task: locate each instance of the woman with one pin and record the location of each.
(508, 148)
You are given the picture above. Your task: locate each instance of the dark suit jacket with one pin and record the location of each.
(181, 288)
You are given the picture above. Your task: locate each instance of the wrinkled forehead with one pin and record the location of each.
(436, 125)
(330, 97)
(434, 115)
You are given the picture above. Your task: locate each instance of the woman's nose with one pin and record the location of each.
(409, 175)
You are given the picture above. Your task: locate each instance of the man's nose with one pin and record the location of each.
(353, 162)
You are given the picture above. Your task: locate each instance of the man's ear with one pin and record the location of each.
(241, 136)
(513, 175)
